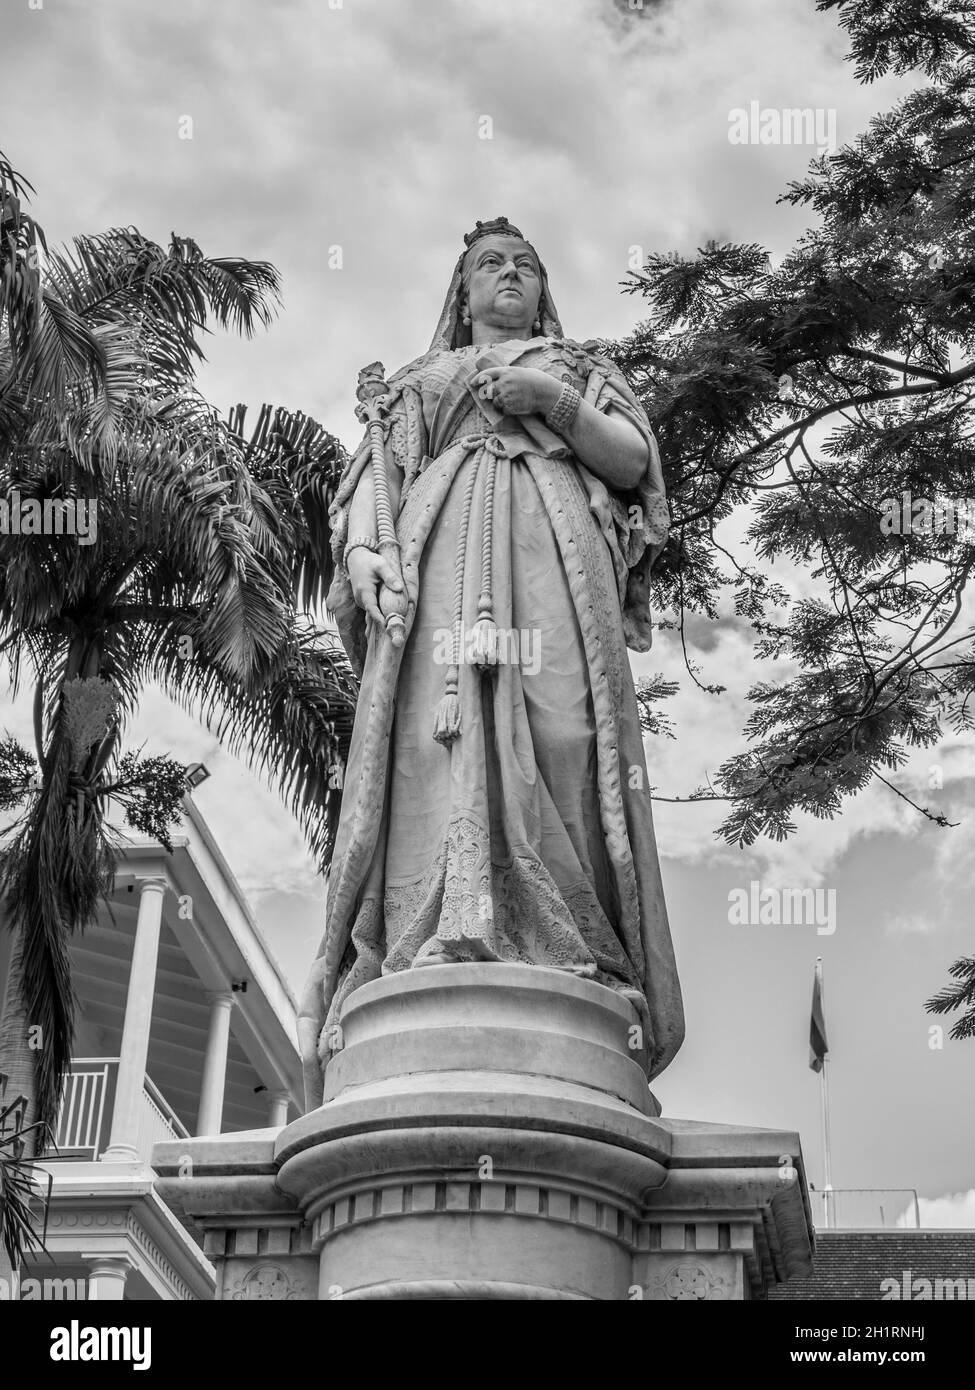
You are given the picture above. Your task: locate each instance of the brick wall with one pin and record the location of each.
(852, 1264)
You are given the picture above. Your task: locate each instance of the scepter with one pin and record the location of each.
(372, 393)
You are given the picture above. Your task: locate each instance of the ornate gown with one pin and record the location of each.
(530, 838)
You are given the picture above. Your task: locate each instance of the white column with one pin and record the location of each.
(129, 1103)
(106, 1282)
(210, 1116)
(280, 1100)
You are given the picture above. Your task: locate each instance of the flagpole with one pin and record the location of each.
(824, 1096)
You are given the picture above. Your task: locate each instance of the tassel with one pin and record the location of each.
(484, 645)
(446, 722)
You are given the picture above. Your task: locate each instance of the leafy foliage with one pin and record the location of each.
(18, 773)
(958, 996)
(862, 339)
(152, 791)
(649, 693)
(823, 397)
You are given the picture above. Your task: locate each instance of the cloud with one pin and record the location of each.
(911, 924)
(709, 731)
(360, 126)
(955, 1211)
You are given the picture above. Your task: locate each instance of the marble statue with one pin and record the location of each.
(496, 803)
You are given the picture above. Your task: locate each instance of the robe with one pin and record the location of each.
(530, 838)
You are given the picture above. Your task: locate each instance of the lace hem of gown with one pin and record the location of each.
(509, 911)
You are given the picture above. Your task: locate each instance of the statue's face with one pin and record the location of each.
(503, 284)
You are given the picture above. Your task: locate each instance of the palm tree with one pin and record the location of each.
(22, 1185)
(207, 548)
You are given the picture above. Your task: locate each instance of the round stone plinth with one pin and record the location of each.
(516, 1019)
(487, 1132)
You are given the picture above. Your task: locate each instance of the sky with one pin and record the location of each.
(352, 144)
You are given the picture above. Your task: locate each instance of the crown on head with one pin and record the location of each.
(498, 226)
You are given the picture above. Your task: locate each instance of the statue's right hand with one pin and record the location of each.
(367, 573)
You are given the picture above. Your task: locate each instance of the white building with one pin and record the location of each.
(186, 1026)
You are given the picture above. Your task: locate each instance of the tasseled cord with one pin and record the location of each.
(484, 647)
(446, 724)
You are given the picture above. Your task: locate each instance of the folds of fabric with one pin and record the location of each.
(530, 837)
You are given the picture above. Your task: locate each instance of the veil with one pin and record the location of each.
(451, 332)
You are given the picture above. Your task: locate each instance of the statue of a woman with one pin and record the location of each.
(496, 804)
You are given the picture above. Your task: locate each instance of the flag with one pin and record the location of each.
(818, 1046)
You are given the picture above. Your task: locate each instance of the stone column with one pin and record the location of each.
(106, 1282)
(210, 1115)
(130, 1085)
(278, 1117)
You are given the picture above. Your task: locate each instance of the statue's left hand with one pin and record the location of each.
(518, 390)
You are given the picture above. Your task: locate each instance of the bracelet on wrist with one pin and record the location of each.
(565, 409)
(356, 543)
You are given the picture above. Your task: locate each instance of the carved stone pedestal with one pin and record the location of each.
(488, 1132)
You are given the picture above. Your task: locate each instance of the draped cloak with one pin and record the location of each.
(529, 839)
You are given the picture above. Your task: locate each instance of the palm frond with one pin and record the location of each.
(62, 351)
(294, 456)
(172, 292)
(294, 731)
(240, 293)
(21, 1182)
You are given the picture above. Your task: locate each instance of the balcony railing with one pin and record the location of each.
(83, 1112)
(158, 1121)
(85, 1117)
(865, 1209)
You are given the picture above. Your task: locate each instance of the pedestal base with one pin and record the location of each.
(488, 1133)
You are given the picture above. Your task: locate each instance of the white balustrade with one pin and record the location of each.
(83, 1125)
